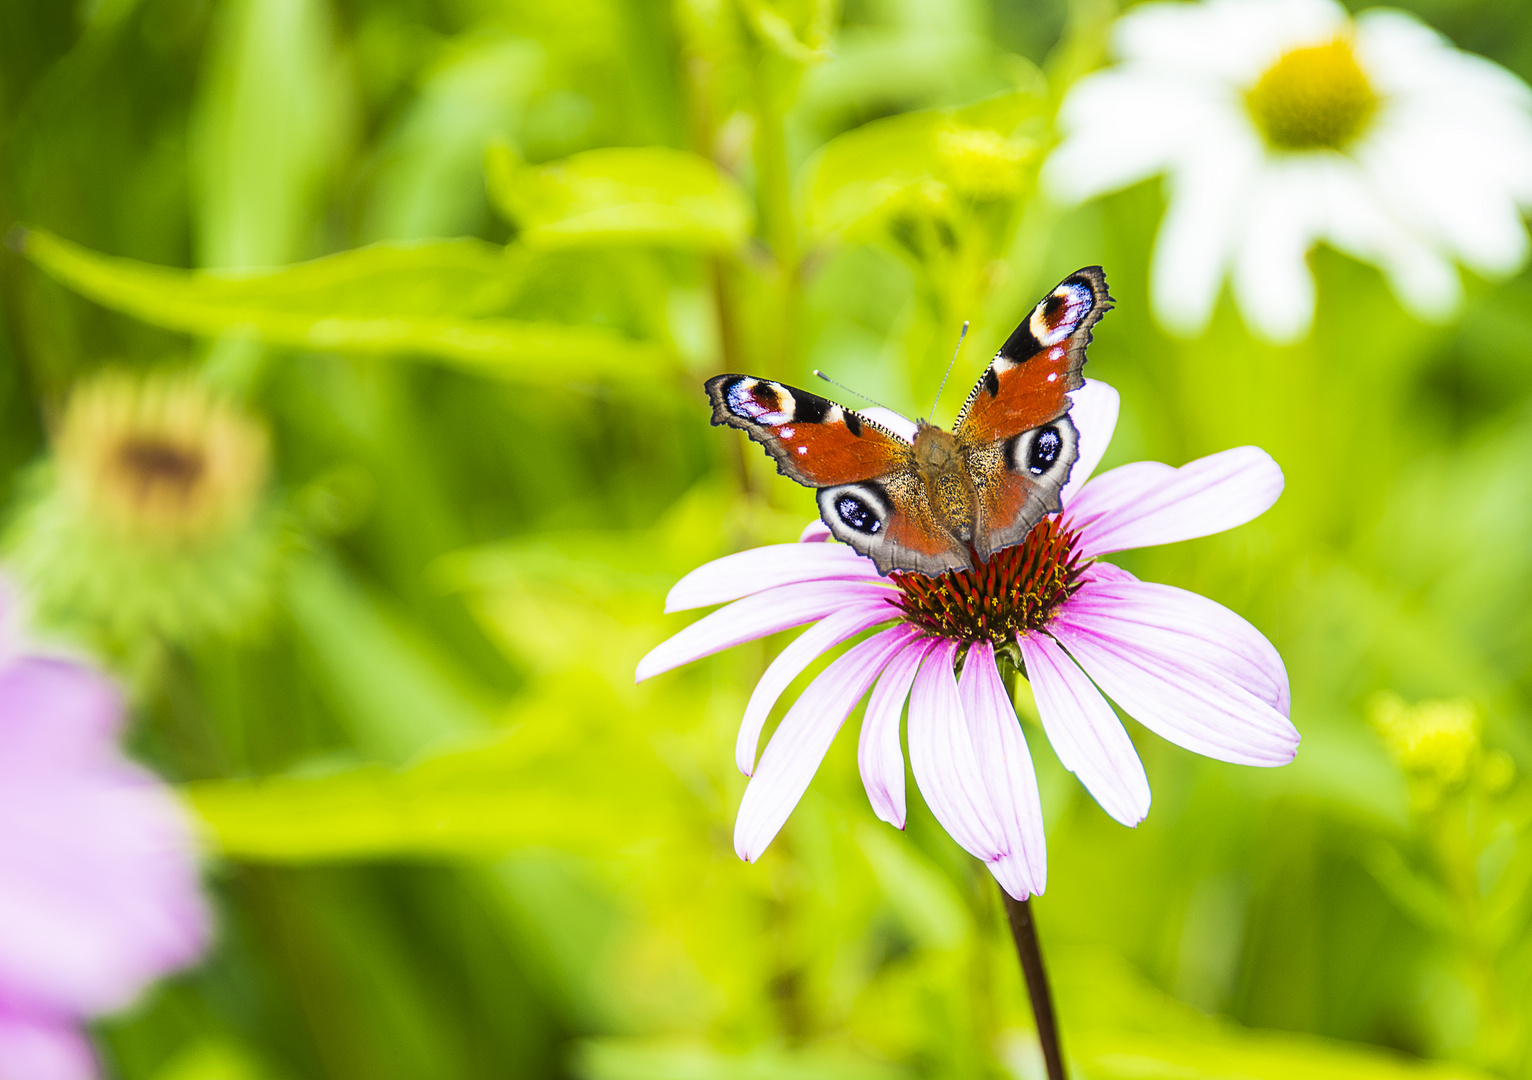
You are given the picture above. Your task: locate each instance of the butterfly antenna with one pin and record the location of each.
(847, 389)
(961, 335)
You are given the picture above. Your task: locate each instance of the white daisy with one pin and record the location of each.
(1282, 123)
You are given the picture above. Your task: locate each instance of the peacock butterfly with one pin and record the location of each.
(941, 500)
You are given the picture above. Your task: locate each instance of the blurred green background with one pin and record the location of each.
(448, 836)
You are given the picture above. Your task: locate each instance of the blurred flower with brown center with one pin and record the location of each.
(1281, 124)
(149, 520)
(161, 459)
(1079, 629)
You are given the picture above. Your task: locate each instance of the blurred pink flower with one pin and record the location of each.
(99, 892)
(1187, 668)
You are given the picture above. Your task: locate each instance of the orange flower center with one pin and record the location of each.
(1017, 589)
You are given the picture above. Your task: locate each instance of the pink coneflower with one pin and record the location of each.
(1185, 667)
(98, 874)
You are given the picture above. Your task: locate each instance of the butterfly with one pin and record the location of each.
(941, 500)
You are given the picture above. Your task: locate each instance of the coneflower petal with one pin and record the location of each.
(1148, 503)
(1005, 763)
(800, 741)
(762, 568)
(1182, 626)
(754, 617)
(1084, 731)
(943, 761)
(791, 661)
(1093, 408)
(879, 756)
(1188, 704)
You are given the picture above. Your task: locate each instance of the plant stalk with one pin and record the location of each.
(1019, 914)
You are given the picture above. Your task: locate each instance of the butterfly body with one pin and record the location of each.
(938, 500)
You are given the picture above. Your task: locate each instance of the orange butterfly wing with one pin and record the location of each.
(1018, 442)
(1025, 385)
(814, 441)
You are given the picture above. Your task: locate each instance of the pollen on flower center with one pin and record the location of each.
(1313, 98)
(1018, 589)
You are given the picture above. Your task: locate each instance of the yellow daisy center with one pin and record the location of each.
(1313, 98)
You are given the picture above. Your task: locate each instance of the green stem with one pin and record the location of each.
(1019, 914)
(1024, 932)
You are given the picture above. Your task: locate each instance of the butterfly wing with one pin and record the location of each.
(1017, 439)
(869, 493)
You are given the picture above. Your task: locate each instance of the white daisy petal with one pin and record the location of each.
(800, 741)
(1204, 223)
(1125, 125)
(1084, 731)
(1228, 38)
(1272, 281)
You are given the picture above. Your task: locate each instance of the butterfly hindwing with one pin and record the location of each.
(870, 494)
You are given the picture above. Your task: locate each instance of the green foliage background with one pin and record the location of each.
(448, 837)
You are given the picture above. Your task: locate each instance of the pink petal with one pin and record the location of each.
(1188, 704)
(754, 617)
(790, 662)
(32, 1048)
(762, 568)
(800, 741)
(99, 891)
(815, 532)
(1185, 628)
(82, 707)
(1006, 766)
(942, 758)
(878, 753)
(1105, 571)
(1093, 409)
(1085, 732)
(1148, 503)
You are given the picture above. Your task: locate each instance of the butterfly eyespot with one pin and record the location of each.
(1046, 447)
(1058, 316)
(857, 514)
(760, 401)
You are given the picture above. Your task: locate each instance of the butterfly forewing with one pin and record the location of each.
(1025, 385)
(1018, 442)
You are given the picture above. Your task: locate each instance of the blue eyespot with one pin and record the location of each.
(1047, 444)
(857, 514)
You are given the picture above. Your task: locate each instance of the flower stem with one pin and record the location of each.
(1024, 930)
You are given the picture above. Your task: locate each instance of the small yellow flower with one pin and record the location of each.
(1435, 741)
(982, 164)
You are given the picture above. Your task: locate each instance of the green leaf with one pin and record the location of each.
(636, 1059)
(428, 298)
(622, 195)
(872, 171)
(488, 799)
(389, 684)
